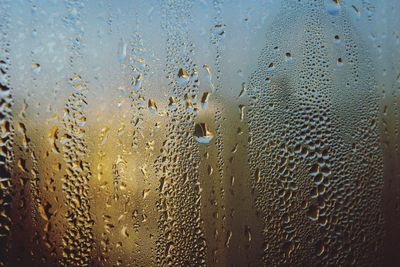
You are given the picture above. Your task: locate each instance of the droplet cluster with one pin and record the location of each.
(78, 236)
(137, 67)
(313, 128)
(181, 241)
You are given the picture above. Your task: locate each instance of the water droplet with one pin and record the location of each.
(202, 134)
(288, 56)
(340, 62)
(243, 90)
(35, 68)
(183, 77)
(356, 11)
(333, 7)
(122, 48)
(204, 100)
(152, 106)
(173, 103)
(337, 39)
(219, 29)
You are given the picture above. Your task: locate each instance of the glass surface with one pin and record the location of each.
(200, 133)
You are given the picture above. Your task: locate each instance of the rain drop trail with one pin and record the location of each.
(78, 238)
(6, 130)
(181, 241)
(137, 66)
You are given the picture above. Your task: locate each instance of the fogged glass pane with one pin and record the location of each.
(200, 133)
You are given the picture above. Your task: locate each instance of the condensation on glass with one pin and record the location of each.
(200, 133)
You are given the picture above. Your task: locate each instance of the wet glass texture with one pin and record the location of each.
(199, 133)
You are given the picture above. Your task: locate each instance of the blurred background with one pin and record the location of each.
(200, 133)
